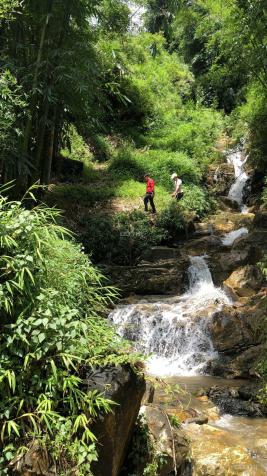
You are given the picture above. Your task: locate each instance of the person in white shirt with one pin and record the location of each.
(178, 192)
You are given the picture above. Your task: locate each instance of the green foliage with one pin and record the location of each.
(171, 219)
(160, 164)
(7, 8)
(77, 149)
(51, 301)
(120, 239)
(174, 421)
(12, 102)
(197, 199)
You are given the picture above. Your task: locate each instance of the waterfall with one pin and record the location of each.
(229, 238)
(174, 330)
(235, 158)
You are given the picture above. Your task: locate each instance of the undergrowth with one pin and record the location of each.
(52, 301)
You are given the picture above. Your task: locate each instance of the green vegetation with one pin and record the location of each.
(51, 301)
(77, 84)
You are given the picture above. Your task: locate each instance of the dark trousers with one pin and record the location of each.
(149, 197)
(179, 196)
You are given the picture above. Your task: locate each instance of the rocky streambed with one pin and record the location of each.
(220, 443)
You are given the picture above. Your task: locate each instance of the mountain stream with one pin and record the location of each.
(173, 333)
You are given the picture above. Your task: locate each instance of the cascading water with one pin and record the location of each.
(229, 238)
(175, 331)
(235, 158)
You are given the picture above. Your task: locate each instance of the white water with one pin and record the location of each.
(175, 332)
(229, 238)
(235, 158)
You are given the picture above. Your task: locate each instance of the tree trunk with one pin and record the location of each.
(47, 162)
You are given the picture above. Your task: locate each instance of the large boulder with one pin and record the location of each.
(260, 220)
(246, 364)
(257, 240)
(245, 281)
(220, 178)
(231, 331)
(114, 430)
(229, 203)
(223, 263)
(168, 441)
(237, 334)
(160, 270)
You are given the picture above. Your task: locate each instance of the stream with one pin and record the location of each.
(173, 332)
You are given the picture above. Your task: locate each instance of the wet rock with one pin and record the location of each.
(245, 281)
(231, 330)
(114, 430)
(33, 463)
(201, 245)
(170, 442)
(215, 452)
(245, 365)
(232, 204)
(183, 414)
(149, 394)
(229, 221)
(220, 178)
(257, 239)
(223, 263)
(250, 392)
(200, 420)
(260, 220)
(161, 270)
(202, 229)
(229, 402)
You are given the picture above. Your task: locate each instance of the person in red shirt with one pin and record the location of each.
(150, 192)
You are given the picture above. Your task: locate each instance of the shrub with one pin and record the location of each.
(197, 199)
(160, 164)
(120, 239)
(172, 220)
(51, 301)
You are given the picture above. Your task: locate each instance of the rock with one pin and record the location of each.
(183, 414)
(149, 394)
(260, 220)
(231, 331)
(232, 204)
(250, 391)
(215, 452)
(202, 229)
(256, 239)
(245, 281)
(245, 365)
(160, 271)
(114, 430)
(229, 221)
(200, 420)
(223, 263)
(146, 279)
(220, 178)
(166, 438)
(201, 245)
(229, 402)
(158, 253)
(33, 463)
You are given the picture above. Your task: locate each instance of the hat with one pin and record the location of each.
(173, 176)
